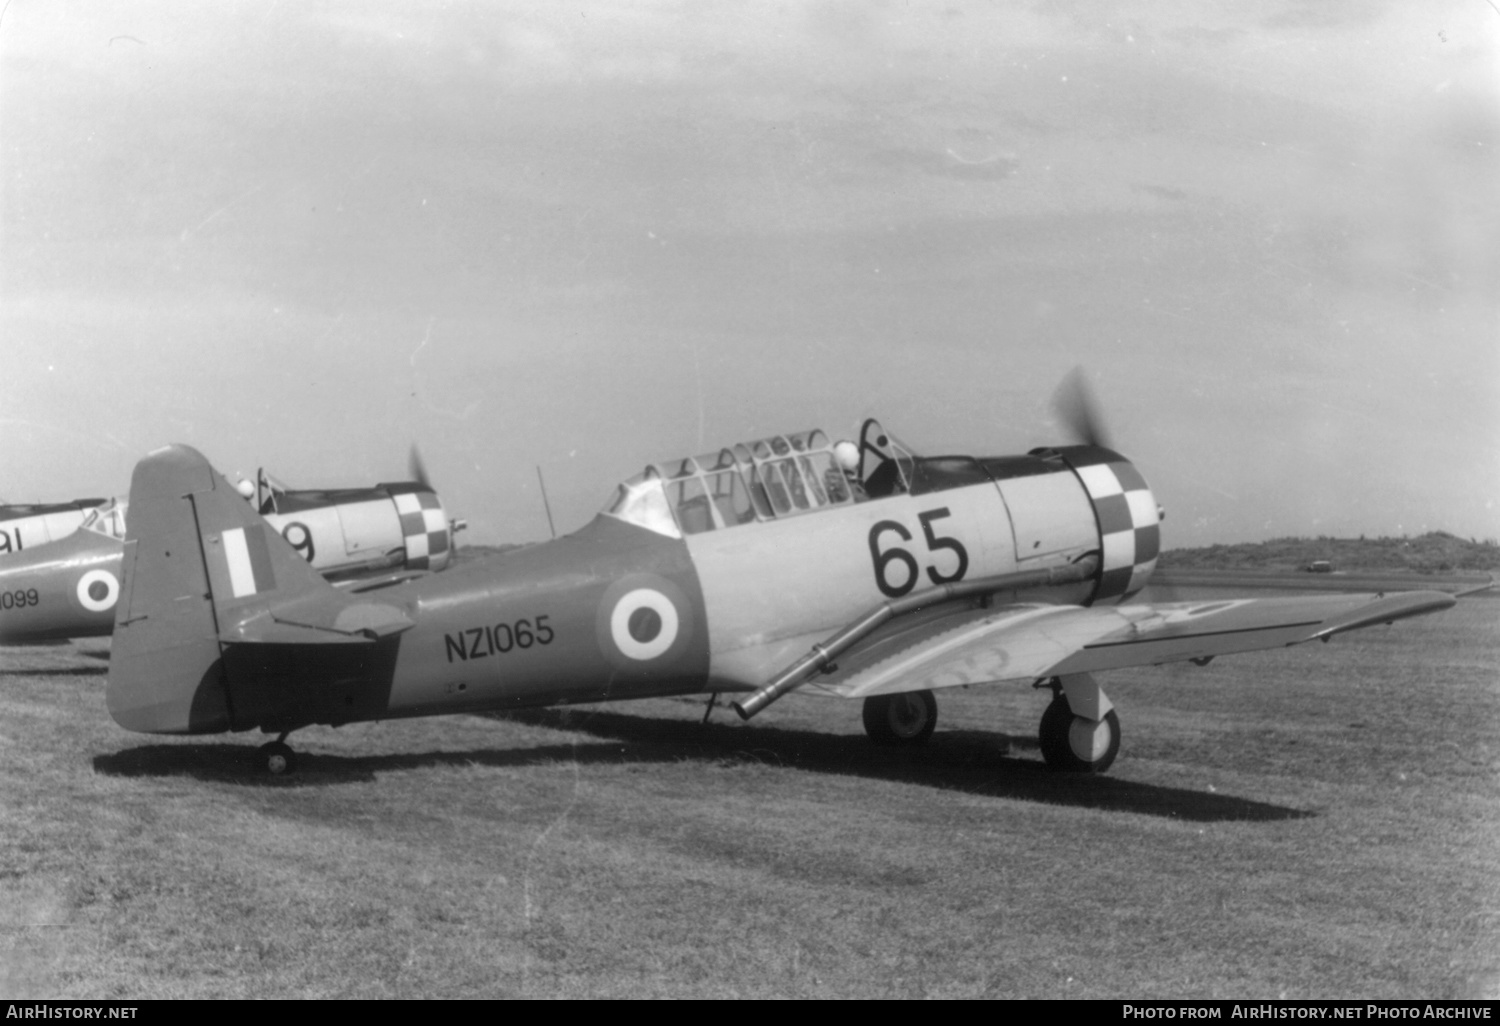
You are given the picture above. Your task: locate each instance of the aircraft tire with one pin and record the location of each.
(1072, 744)
(905, 719)
(277, 758)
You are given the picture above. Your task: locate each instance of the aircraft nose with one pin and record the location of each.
(437, 542)
(439, 532)
(1128, 516)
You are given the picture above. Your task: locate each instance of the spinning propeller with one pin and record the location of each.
(417, 469)
(1074, 404)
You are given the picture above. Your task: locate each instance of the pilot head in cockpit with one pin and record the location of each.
(845, 480)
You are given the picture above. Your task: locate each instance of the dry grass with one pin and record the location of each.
(1316, 822)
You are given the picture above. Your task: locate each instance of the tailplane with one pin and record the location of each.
(204, 573)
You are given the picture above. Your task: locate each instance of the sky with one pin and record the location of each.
(584, 237)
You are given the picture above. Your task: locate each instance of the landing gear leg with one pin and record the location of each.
(1080, 732)
(277, 757)
(905, 719)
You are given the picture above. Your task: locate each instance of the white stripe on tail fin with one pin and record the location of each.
(249, 561)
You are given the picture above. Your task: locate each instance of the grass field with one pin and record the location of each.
(1314, 822)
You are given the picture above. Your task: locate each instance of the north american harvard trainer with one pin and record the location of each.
(791, 562)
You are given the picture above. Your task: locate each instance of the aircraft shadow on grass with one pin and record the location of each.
(974, 762)
(57, 671)
(75, 669)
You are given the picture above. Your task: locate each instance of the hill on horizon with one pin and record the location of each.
(1433, 552)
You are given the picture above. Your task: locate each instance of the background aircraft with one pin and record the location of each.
(68, 588)
(27, 526)
(349, 532)
(757, 568)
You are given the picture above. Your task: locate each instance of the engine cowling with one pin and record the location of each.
(1126, 516)
(426, 531)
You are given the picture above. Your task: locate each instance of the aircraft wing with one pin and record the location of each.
(1029, 642)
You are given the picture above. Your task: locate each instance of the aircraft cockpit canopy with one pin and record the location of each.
(269, 493)
(108, 519)
(769, 479)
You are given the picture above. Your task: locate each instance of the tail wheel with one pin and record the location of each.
(904, 719)
(277, 758)
(1073, 744)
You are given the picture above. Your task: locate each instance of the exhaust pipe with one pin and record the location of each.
(820, 659)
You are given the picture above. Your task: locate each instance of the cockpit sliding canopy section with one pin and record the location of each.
(769, 479)
(108, 519)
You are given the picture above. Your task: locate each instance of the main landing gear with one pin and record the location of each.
(1072, 740)
(904, 719)
(1080, 732)
(276, 757)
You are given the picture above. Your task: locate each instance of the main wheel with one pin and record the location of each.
(1073, 744)
(904, 719)
(277, 758)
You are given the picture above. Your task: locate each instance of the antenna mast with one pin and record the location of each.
(545, 504)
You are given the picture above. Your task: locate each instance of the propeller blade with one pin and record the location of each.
(416, 468)
(1074, 405)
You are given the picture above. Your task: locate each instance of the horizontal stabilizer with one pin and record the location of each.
(319, 623)
(359, 585)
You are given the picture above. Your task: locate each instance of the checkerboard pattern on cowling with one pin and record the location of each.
(424, 528)
(1129, 524)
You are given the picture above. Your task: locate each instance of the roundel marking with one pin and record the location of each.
(644, 624)
(97, 591)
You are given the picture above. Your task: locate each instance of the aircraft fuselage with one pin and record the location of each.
(618, 611)
(64, 589)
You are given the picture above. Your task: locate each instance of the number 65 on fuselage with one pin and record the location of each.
(761, 568)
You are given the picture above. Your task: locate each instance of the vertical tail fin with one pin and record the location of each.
(202, 568)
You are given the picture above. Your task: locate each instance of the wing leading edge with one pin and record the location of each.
(1029, 642)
